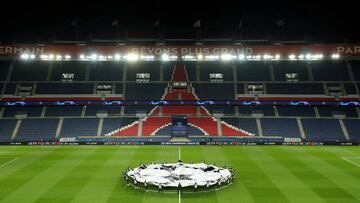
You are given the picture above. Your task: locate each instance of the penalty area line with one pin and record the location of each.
(6, 163)
(346, 159)
(179, 153)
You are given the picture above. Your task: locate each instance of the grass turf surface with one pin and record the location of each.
(264, 173)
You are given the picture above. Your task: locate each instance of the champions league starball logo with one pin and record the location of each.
(179, 177)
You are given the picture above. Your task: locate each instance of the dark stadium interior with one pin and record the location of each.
(312, 21)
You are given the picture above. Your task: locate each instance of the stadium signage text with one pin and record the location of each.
(157, 50)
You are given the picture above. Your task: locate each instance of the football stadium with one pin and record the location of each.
(151, 113)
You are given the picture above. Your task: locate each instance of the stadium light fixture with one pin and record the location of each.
(226, 57)
(211, 57)
(67, 57)
(58, 57)
(132, 57)
(301, 57)
(335, 56)
(51, 56)
(200, 56)
(308, 56)
(277, 57)
(117, 57)
(94, 57)
(25, 56)
(147, 57)
(164, 57)
(32, 56)
(241, 56)
(292, 57)
(44, 57)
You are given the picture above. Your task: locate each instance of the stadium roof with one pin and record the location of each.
(43, 22)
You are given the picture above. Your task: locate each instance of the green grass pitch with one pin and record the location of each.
(88, 174)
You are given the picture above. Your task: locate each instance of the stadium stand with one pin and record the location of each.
(323, 130)
(74, 127)
(37, 130)
(6, 129)
(284, 127)
(321, 123)
(30, 71)
(60, 68)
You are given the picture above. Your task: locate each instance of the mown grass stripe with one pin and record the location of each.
(70, 185)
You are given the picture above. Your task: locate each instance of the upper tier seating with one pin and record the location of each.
(63, 111)
(252, 71)
(304, 111)
(283, 67)
(145, 91)
(330, 71)
(32, 111)
(144, 67)
(206, 68)
(106, 71)
(78, 68)
(65, 88)
(4, 68)
(30, 71)
(211, 91)
(295, 88)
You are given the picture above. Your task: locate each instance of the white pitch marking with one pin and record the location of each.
(351, 161)
(179, 197)
(4, 164)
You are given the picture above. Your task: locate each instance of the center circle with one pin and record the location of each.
(179, 176)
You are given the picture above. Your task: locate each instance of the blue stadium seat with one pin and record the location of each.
(10, 88)
(215, 67)
(145, 91)
(283, 67)
(191, 70)
(353, 128)
(167, 69)
(248, 110)
(284, 127)
(111, 110)
(33, 111)
(252, 71)
(132, 110)
(74, 127)
(4, 68)
(210, 91)
(106, 71)
(7, 127)
(65, 88)
(323, 130)
(350, 89)
(304, 111)
(330, 71)
(56, 111)
(226, 110)
(146, 67)
(327, 111)
(30, 71)
(37, 130)
(78, 68)
(294, 88)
